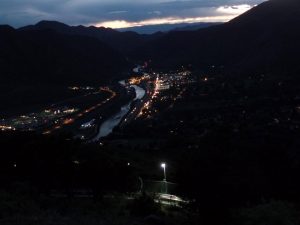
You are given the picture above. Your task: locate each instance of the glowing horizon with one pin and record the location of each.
(117, 24)
(228, 13)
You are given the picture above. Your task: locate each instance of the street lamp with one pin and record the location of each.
(163, 165)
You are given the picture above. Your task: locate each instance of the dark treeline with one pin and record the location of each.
(233, 170)
(59, 163)
(227, 171)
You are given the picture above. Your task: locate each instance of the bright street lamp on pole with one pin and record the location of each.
(163, 165)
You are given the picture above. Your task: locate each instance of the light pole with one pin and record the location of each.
(163, 165)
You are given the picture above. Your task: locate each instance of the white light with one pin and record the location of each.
(234, 9)
(163, 165)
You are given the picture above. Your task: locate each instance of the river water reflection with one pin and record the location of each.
(107, 126)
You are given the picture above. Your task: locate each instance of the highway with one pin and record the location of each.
(80, 114)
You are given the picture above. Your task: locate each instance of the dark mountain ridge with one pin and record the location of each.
(151, 29)
(45, 56)
(263, 39)
(121, 41)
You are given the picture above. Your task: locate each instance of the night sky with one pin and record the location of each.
(121, 13)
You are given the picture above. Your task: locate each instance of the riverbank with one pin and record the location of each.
(108, 125)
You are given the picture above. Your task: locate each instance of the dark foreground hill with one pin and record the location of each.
(265, 38)
(45, 56)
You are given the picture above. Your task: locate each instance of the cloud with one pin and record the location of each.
(74, 12)
(117, 12)
(158, 21)
(155, 13)
(234, 9)
(212, 14)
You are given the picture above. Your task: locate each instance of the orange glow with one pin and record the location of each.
(47, 132)
(136, 80)
(68, 121)
(115, 24)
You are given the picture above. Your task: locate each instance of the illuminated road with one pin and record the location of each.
(142, 103)
(72, 119)
(153, 95)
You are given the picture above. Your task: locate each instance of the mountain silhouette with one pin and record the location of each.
(121, 41)
(45, 56)
(152, 29)
(266, 38)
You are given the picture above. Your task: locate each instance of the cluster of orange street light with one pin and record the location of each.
(147, 105)
(69, 121)
(136, 80)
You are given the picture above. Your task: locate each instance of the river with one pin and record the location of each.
(108, 125)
